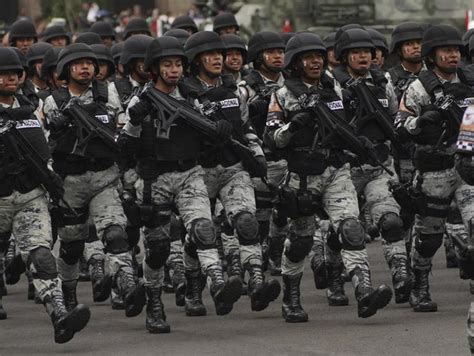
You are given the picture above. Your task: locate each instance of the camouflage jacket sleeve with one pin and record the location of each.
(114, 106)
(392, 99)
(276, 120)
(411, 104)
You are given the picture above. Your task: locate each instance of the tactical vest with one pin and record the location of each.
(65, 143)
(229, 110)
(125, 90)
(29, 91)
(401, 79)
(14, 174)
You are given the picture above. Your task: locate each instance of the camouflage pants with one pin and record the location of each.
(439, 188)
(373, 183)
(97, 193)
(233, 186)
(187, 192)
(339, 200)
(26, 216)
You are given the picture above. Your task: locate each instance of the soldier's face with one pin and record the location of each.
(273, 59)
(411, 51)
(103, 71)
(212, 62)
(447, 58)
(58, 41)
(9, 82)
(312, 64)
(82, 70)
(171, 70)
(234, 60)
(24, 43)
(359, 59)
(379, 59)
(138, 67)
(332, 58)
(227, 30)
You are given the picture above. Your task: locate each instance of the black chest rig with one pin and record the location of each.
(125, 90)
(401, 79)
(66, 142)
(29, 91)
(14, 174)
(219, 103)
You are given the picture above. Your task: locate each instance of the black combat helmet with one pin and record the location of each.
(379, 41)
(22, 29)
(351, 39)
(465, 39)
(89, 38)
(136, 25)
(71, 53)
(341, 30)
(165, 46)
(103, 53)
(406, 31)
(36, 52)
(9, 61)
(330, 40)
(261, 41)
(103, 29)
(178, 33)
(184, 22)
(201, 42)
(225, 19)
(134, 48)
(116, 51)
(232, 41)
(440, 36)
(303, 42)
(22, 58)
(50, 61)
(56, 31)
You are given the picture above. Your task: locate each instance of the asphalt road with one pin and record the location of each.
(395, 330)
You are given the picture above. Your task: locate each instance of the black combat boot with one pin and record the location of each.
(420, 298)
(155, 313)
(14, 268)
(401, 278)
(116, 300)
(84, 274)
(318, 265)
(31, 288)
(224, 294)
(179, 282)
(261, 292)
(368, 299)
(292, 310)
(65, 323)
(101, 282)
(335, 292)
(3, 286)
(275, 252)
(195, 283)
(132, 292)
(70, 294)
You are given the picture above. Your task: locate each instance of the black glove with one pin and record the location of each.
(300, 121)
(224, 130)
(258, 107)
(57, 182)
(131, 208)
(364, 141)
(57, 121)
(139, 110)
(431, 117)
(257, 167)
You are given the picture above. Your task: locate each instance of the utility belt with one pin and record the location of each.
(432, 161)
(314, 163)
(154, 168)
(21, 181)
(381, 150)
(72, 165)
(226, 159)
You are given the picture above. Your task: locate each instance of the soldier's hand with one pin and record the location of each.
(258, 107)
(139, 110)
(58, 121)
(224, 130)
(300, 121)
(364, 141)
(262, 167)
(431, 117)
(57, 181)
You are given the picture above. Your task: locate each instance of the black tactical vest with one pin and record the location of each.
(401, 79)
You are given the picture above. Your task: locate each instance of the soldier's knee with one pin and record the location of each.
(246, 227)
(428, 244)
(71, 252)
(203, 234)
(44, 263)
(352, 235)
(298, 248)
(115, 239)
(391, 227)
(4, 240)
(157, 251)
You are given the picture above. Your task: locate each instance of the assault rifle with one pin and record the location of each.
(447, 105)
(88, 128)
(22, 150)
(331, 127)
(170, 109)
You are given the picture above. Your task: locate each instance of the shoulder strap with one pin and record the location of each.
(124, 87)
(379, 77)
(61, 96)
(431, 83)
(341, 76)
(100, 92)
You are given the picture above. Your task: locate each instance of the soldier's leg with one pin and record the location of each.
(340, 200)
(454, 226)
(318, 254)
(238, 199)
(32, 229)
(175, 261)
(385, 213)
(4, 242)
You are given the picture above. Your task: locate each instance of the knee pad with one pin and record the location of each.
(428, 244)
(352, 235)
(71, 252)
(203, 234)
(246, 227)
(157, 251)
(4, 241)
(44, 263)
(332, 240)
(391, 227)
(115, 239)
(299, 248)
